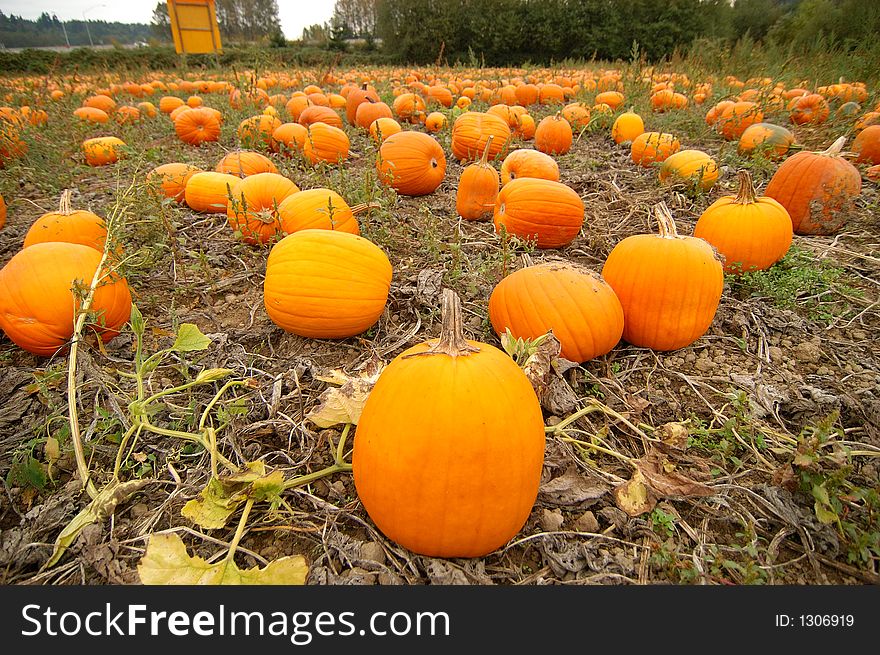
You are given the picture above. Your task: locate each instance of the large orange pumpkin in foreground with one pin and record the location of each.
(412, 163)
(669, 285)
(548, 212)
(37, 299)
(577, 304)
(326, 284)
(817, 189)
(751, 233)
(449, 448)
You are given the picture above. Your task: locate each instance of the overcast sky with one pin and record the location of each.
(294, 14)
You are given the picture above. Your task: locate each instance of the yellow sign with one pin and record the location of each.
(194, 26)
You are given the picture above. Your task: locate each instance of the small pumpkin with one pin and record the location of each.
(321, 209)
(669, 285)
(693, 167)
(319, 114)
(245, 162)
(101, 101)
(449, 447)
(355, 98)
(257, 130)
(524, 162)
(751, 232)
(576, 303)
(170, 179)
(650, 147)
(38, 305)
(369, 111)
(254, 203)
(613, 99)
(867, 145)
(477, 189)
(72, 226)
(167, 104)
(326, 284)
(773, 140)
(412, 163)
(553, 135)
(209, 191)
(817, 189)
(103, 150)
(325, 143)
(409, 107)
(435, 121)
(289, 138)
(809, 108)
(548, 212)
(91, 114)
(627, 127)
(735, 118)
(197, 126)
(381, 128)
(577, 114)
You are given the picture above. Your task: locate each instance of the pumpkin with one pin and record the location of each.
(102, 102)
(613, 99)
(751, 233)
(669, 285)
(253, 208)
(872, 173)
(549, 94)
(167, 104)
(412, 163)
(79, 226)
(477, 189)
(319, 114)
(91, 114)
(553, 135)
(810, 108)
(527, 94)
(577, 304)
(542, 210)
(471, 131)
(103, 150)
(126, 114)
(867, 119)
(257, 129)
(208, 192)
(369, 111)
(179, 112)
(325, 143)
(627, 127)
(449, 447)
(735, 118)
(774, 141)
(529, 163)
(38, 305)
(662, 100)
(693, 167)
(197, 126)
(355, 98)
(435, 121)
(170, 179)
(717, 110)
(289, 138)
(321, 209)
(525, 127)
(409, 107)
(11, 144)
(867, 145)
(577, 114)
(650, 147)
(382, 128)
(326, 284)
(245, 162)
(817, 189)
(296, 105)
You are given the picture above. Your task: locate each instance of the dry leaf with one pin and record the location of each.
(674, 435)
(344, 404)
(166, 562)
(540, 361)
(634, 497)
(660, 474)
(572, 489)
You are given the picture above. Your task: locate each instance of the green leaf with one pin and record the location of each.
(825, 514)
(166, 562)
(137, 321)
(268, 488)
(213, 374)
(190, 339)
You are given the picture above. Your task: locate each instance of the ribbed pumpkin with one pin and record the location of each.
(326, 284)
(254, 206)
(257, 130)
(694, 168)
(576, 303)
(435, 121)
(355, 98)
(471, 131)
(320, 209)
(242, 163)
(477, 189)
(809, 108)
(542, 210)
(170, 179)
(412, 163)
(289, 138)
(650, 147)
(382, 128)
(37, 302)
(208, 192)
(325, 143)
(774, 141)
(449, 447)
(735, 118)
(68, 225)
(197, 126)
(577, 114)
(103, 150)
(167, 104)
(867, 145)
(817, 189)
(627, 127)
(751, 233)
(369, 111)
(409, 107)
(529, 163)
(553, 135)
(318, 114)
(669, 286)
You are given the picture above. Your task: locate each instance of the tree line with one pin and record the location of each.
(47, 30)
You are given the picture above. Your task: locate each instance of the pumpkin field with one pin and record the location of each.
(596, 324)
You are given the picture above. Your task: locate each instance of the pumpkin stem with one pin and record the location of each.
(665, 221)
(484, 160)
(452, 341)
(746, 194)
(364, 206)
(64, 202)
(836, 148)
